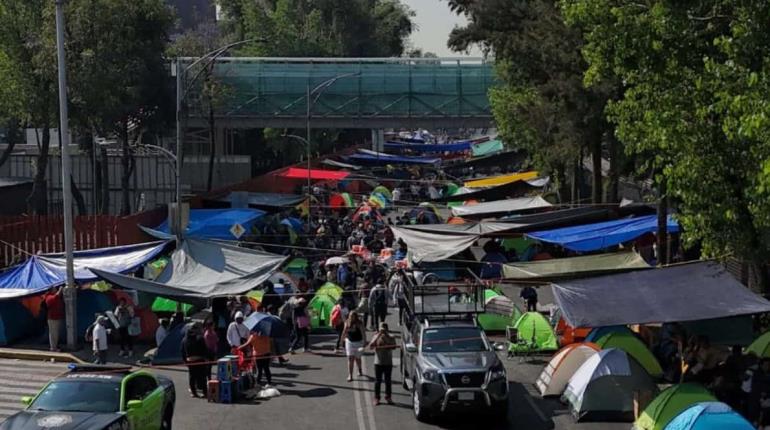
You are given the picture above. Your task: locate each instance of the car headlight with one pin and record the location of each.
(430, 375)
(497, 372)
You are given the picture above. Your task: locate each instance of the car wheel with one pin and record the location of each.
(168, 418)
(420, 412)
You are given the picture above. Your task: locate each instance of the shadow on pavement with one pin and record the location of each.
(311, 393)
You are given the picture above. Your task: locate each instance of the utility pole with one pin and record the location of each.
(70, 291)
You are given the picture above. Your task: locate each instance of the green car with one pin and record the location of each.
(92, 397)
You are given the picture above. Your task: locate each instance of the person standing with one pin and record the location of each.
(100, 344)
(259, 346)
(399, 292)
(54, 304)
(237, 332)
(529, 295)
(378, 302)
(124, 314)
(301, 325)
(355, 339)
(194, 354)
(338, 317)
(162, 331)
(383, 345)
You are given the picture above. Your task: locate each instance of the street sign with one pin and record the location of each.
(237, 230)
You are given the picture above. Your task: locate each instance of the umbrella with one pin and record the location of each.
(384, 191)
(336, 260)
(272, 327)
(378, 200)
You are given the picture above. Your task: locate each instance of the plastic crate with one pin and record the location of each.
(212, 391)
(226, 393)
(224, 369)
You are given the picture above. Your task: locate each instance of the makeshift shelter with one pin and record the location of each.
(487, 148)
(633, 347)
(686, 292)
(535, 334)
(332, 290)
(499, 316)
(341, 200)
(709, 416)
(593, 237)
(603, 387)
(41, 272)
(222, 224)
(430, 243)
(89, 304)
(557, 373)
(501, 180)
(170, 350)
(575, 267)
(498, 207)
(568, 334)
(320, 308)
(669, 403)
(315, 175)
(297, 267)
(266, 201)
(16, 322)
(203, 270)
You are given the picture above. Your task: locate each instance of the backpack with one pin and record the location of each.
(336, 318)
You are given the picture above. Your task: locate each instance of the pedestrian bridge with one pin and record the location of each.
(369, 93)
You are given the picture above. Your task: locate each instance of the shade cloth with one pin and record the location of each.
(204, 269)
(575, 267)
(381, 158)
(267, 200)
(315, 174)
(592, 237)
(487, 148)
(41, 272)
(501, 180)
(680, 293)
(333, 163)
(435, 242)
(213, 224)
(445, 147)
(501, 207)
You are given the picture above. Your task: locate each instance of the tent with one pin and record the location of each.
(317, 175)
(170, 350)
(162, 304)
(670, 403)
(203, 270)
(687, 292)
(270, 201)
(341, 200)
(709, 416)
(41, 272)
(501, 180)
(332, 290)
(497, 207)
(535, 334)
(593, 237)
(555, 375)
(223, 224)
(493, 319)
(603, 387)
(296, 267)
(633, 347)
(600, 332)
(384, 191)
(16, 322)
(320, 308)
(761, 346)
(575, 267)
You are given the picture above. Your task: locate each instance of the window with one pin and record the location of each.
(453, 340)
(139, 387)
(79, 396)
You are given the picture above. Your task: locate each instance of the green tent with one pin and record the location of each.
(761, 346)
(588, 265)
(494, 321)
(320, 311)
(488, 294)
(332, 290)
(162, 304)
(632, 346)
(487, 148)
(256, 294)
(384, 191)
(535, 334)
(519, 244)
(669, 403)
(296, 267)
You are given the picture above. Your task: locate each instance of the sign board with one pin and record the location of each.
(237, 230)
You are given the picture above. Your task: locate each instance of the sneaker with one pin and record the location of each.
(376, 402)
(350, 379)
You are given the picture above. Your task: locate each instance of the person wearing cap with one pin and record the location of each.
(383, 345)
(100, 344)
(237, 332)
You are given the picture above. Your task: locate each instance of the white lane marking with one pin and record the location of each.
(369, 407)
(359, 408)
(537, 410)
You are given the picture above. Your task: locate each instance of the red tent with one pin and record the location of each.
(318, 175)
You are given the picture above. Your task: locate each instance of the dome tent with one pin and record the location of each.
(670, 403)
(761, 345)
(497, 321)
(603, 388)
(709, 416)
(320, 308)
(634, 347)
(535, 334)
(556, 374)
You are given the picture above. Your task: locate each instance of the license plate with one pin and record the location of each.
(465, 396)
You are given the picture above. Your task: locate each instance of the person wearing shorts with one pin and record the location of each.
(354, 334)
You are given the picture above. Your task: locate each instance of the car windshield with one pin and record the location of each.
(454, 339)
(79, 396)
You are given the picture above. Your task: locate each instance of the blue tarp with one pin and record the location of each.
(212, 223)
(41, 272)
(391, 159)
(446, 147)
(170, 350)
(593, 237)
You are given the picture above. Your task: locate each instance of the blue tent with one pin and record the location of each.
(41, 272)
(391, 159)
(446, 147)
(708, 416)
(598, 332)
(90, 303)
(213, 223)
(593, 237)
(16, 322)
(170, 350)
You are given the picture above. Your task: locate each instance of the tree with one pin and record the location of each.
(695, 104)
(541, 104)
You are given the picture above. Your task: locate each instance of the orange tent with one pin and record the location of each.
(568, 334)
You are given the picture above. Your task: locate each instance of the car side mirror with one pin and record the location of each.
(26, 400)
(410, 347)
(134, 404)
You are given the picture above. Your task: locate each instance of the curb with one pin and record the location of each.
(28, 354)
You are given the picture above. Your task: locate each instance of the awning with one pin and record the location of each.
(264, 200)
(499, 192)
(500, 207)
(204, 269)
(381, 158)
(501, 180)
(487, 148)
(223, 224)
(315, 174)
(445, 147)
(687, 292)
(333, 163)
(592, 237)
(41, 272)
(436, 242)
(575, 267)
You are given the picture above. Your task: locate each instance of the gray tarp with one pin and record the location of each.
(500, 207)
(203, 269)
(688, 292)
(436, 242)
(575, 267)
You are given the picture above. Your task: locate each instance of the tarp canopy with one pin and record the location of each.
(498, 192)
(264, 200)
(315, 174)
(501, 180)
(381, 159)
(426, 147)
(592, 237)
(500, 207)
(203, 270)
(333, 163)
(588, 265)
(680, 293)
(41, 272)
(437, 242)
(487, 148)
(213, 224)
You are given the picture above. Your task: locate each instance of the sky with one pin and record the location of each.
(435, 21)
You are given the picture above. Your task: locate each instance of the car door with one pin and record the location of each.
(144, 387)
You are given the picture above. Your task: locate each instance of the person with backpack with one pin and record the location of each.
(378, 304)
(337, 320)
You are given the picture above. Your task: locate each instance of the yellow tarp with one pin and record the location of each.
(500, 180)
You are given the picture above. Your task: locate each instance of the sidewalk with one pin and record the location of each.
(36, 352)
